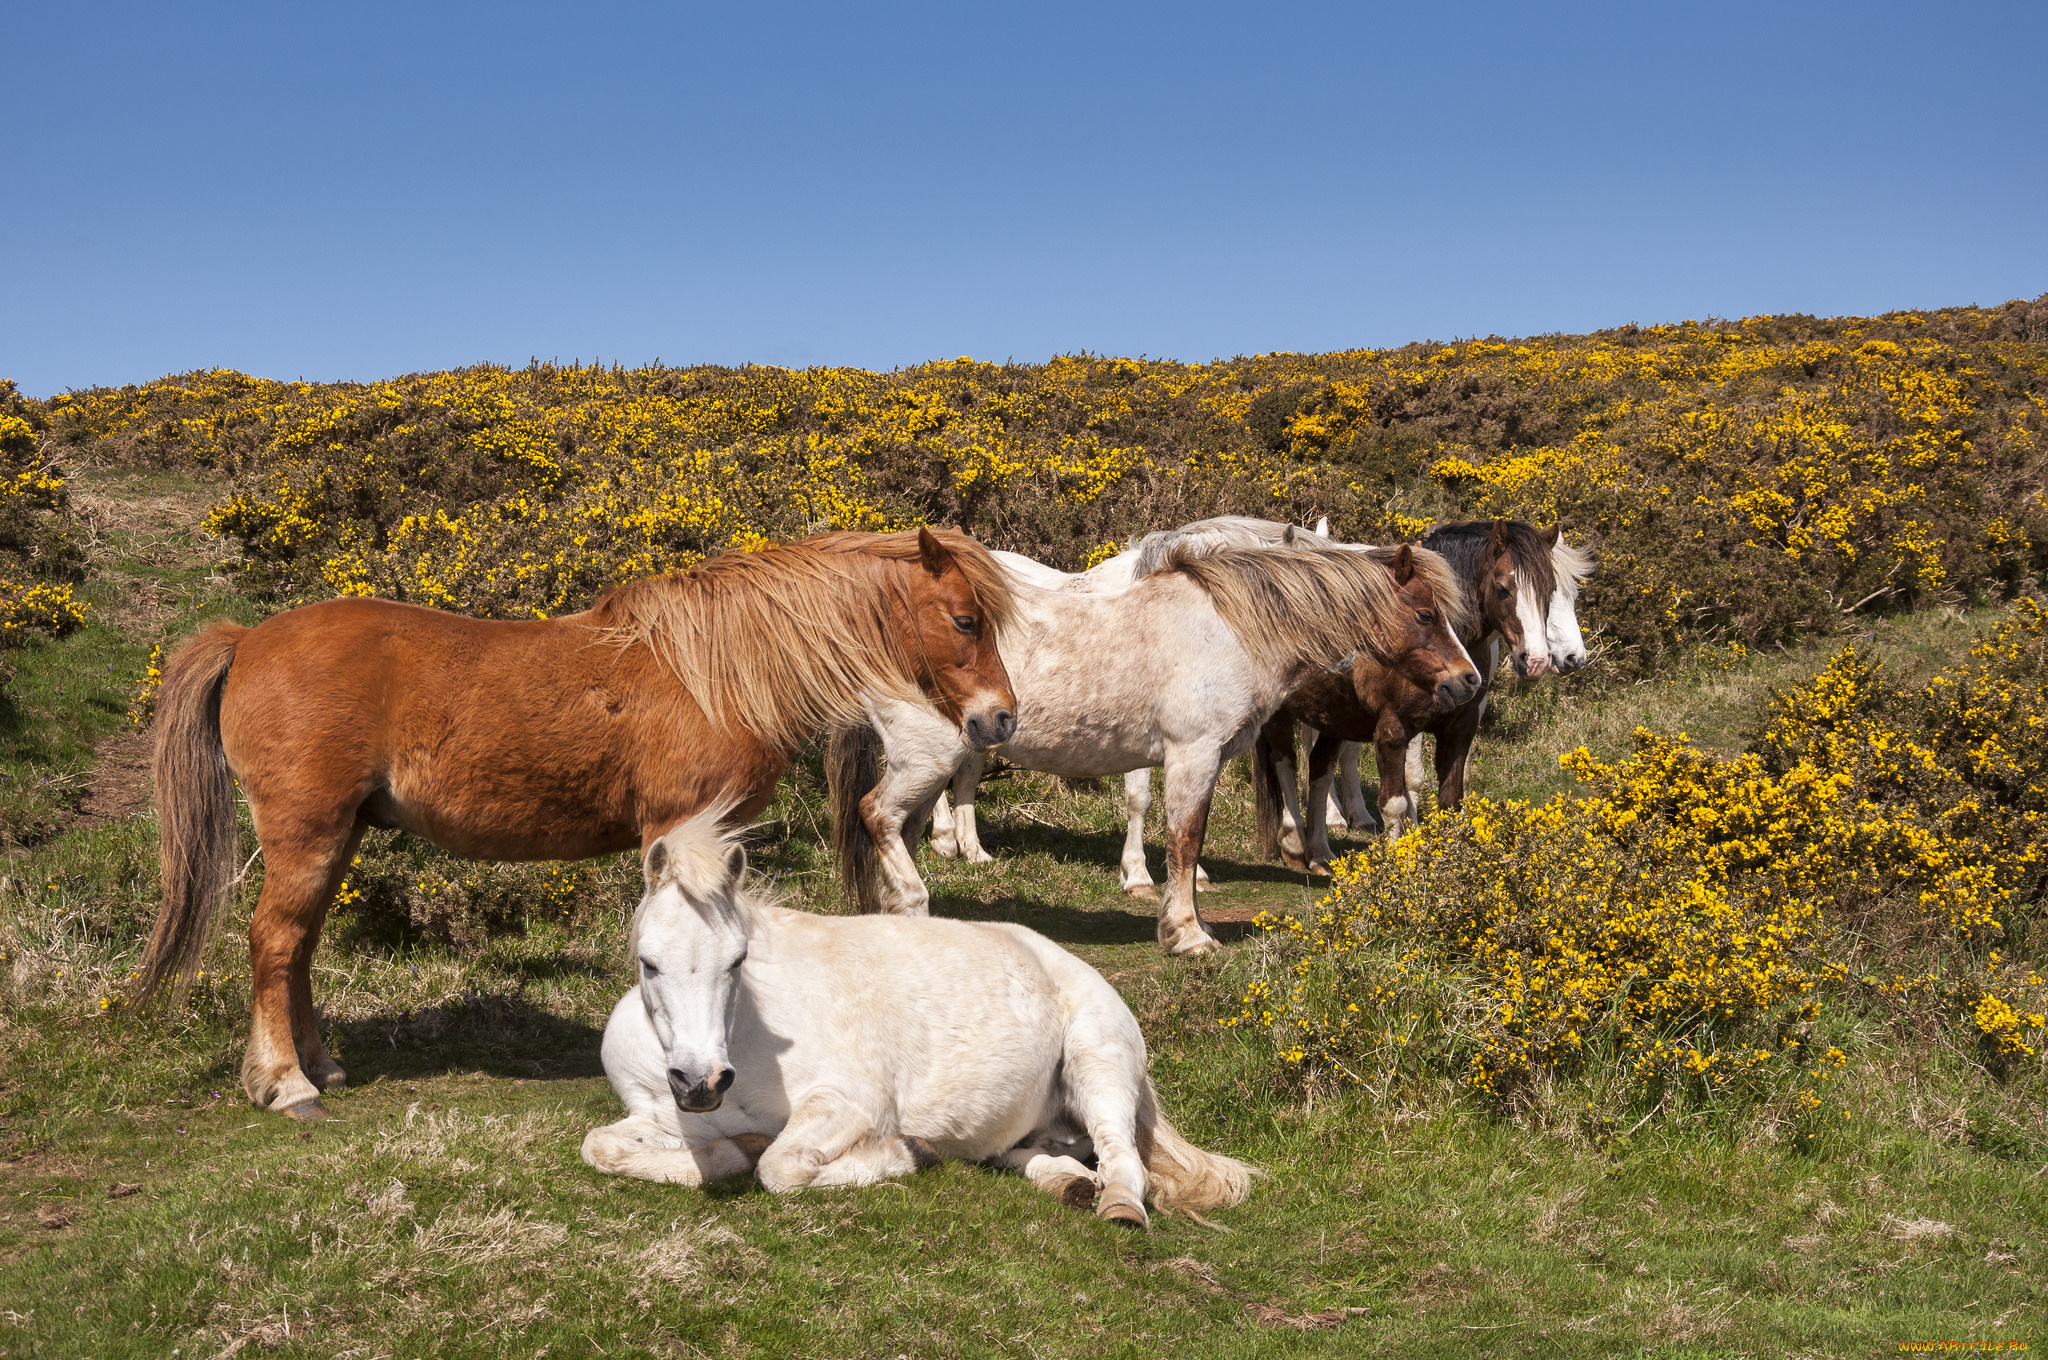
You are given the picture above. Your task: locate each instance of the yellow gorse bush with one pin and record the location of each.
(1747, 480)
(1686, 919)
(38, 549)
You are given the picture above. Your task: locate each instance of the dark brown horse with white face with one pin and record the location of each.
(1524, 583)
(523, 740)
(1382, 701)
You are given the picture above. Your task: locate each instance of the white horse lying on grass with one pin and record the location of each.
(833, 1050)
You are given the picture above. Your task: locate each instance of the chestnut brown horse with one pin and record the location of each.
(1385, 702)
(519, 740)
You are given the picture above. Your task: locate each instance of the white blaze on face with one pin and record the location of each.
(1534, 658)
(689, 959)
(1567, 646)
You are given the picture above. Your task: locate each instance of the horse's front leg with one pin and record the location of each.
(923, 750)
(1132, 875)
(944, 844)
(828, 1142)
(1190, 784)
(1454, 744)
(1397, 801)
(641, 1147)
(1357, 813)
(966, 833)
(287, 1065)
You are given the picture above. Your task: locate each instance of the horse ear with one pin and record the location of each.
(736, 864)
(1498, 544)
(1323, 527)
(657, 860)
(932, 553)
(1404, 565)
(1552, 534)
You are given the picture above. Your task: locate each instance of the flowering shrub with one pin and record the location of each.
(37, 537)
(142, 707)
(400, 890)
(1683, 923)
(1745, 481)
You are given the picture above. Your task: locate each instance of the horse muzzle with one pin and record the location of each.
(701, 1096)
(1531, 665)
(984, 730)
(1567, 664)
(1457, 690)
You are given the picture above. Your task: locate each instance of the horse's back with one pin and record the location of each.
(959, 1027)
(1107, 679)
(502, 739)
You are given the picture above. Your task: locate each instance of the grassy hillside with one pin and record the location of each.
(1718, 1044)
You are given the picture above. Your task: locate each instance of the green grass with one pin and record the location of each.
(445, 1210)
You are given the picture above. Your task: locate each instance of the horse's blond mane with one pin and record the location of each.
(694, 857)
(1574, 564)
(785, 641)
(1316, 606)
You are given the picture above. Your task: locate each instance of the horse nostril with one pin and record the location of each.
(724, 1082)
(679, 1085)
(1005, 724)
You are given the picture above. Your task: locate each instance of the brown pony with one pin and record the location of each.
(1385, 702)
(551, 739)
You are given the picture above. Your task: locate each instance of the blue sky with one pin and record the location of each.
(361, 191)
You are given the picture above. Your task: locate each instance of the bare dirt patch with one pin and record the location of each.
(120, 784)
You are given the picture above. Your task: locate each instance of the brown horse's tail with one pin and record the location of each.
(1182, 1176)
(1276, 737)
(851, 773)
(195, 800)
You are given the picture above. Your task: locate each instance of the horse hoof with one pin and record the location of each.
(923, 1155)
(1119, 1205)
(1143, 891)
(1195, 948)
(1076, 1192)
(1321, 867)
(753, 1145)
(1295, 862)
(310, 1111)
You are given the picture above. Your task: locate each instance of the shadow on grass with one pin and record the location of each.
(498, 1035)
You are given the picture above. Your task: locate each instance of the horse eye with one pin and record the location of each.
(738, 961)
(1425, 616)
(966, 623)
(649, 968)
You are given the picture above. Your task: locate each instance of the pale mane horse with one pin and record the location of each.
(954, 832)
(1180, 668)
(826, 1051)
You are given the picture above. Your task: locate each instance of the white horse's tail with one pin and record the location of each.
(1182, 1176)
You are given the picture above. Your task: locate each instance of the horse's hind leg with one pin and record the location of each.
(1322, 762)
(1357, 813)
(1065, 1179)
(1105, 1076)
(286, 1065)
